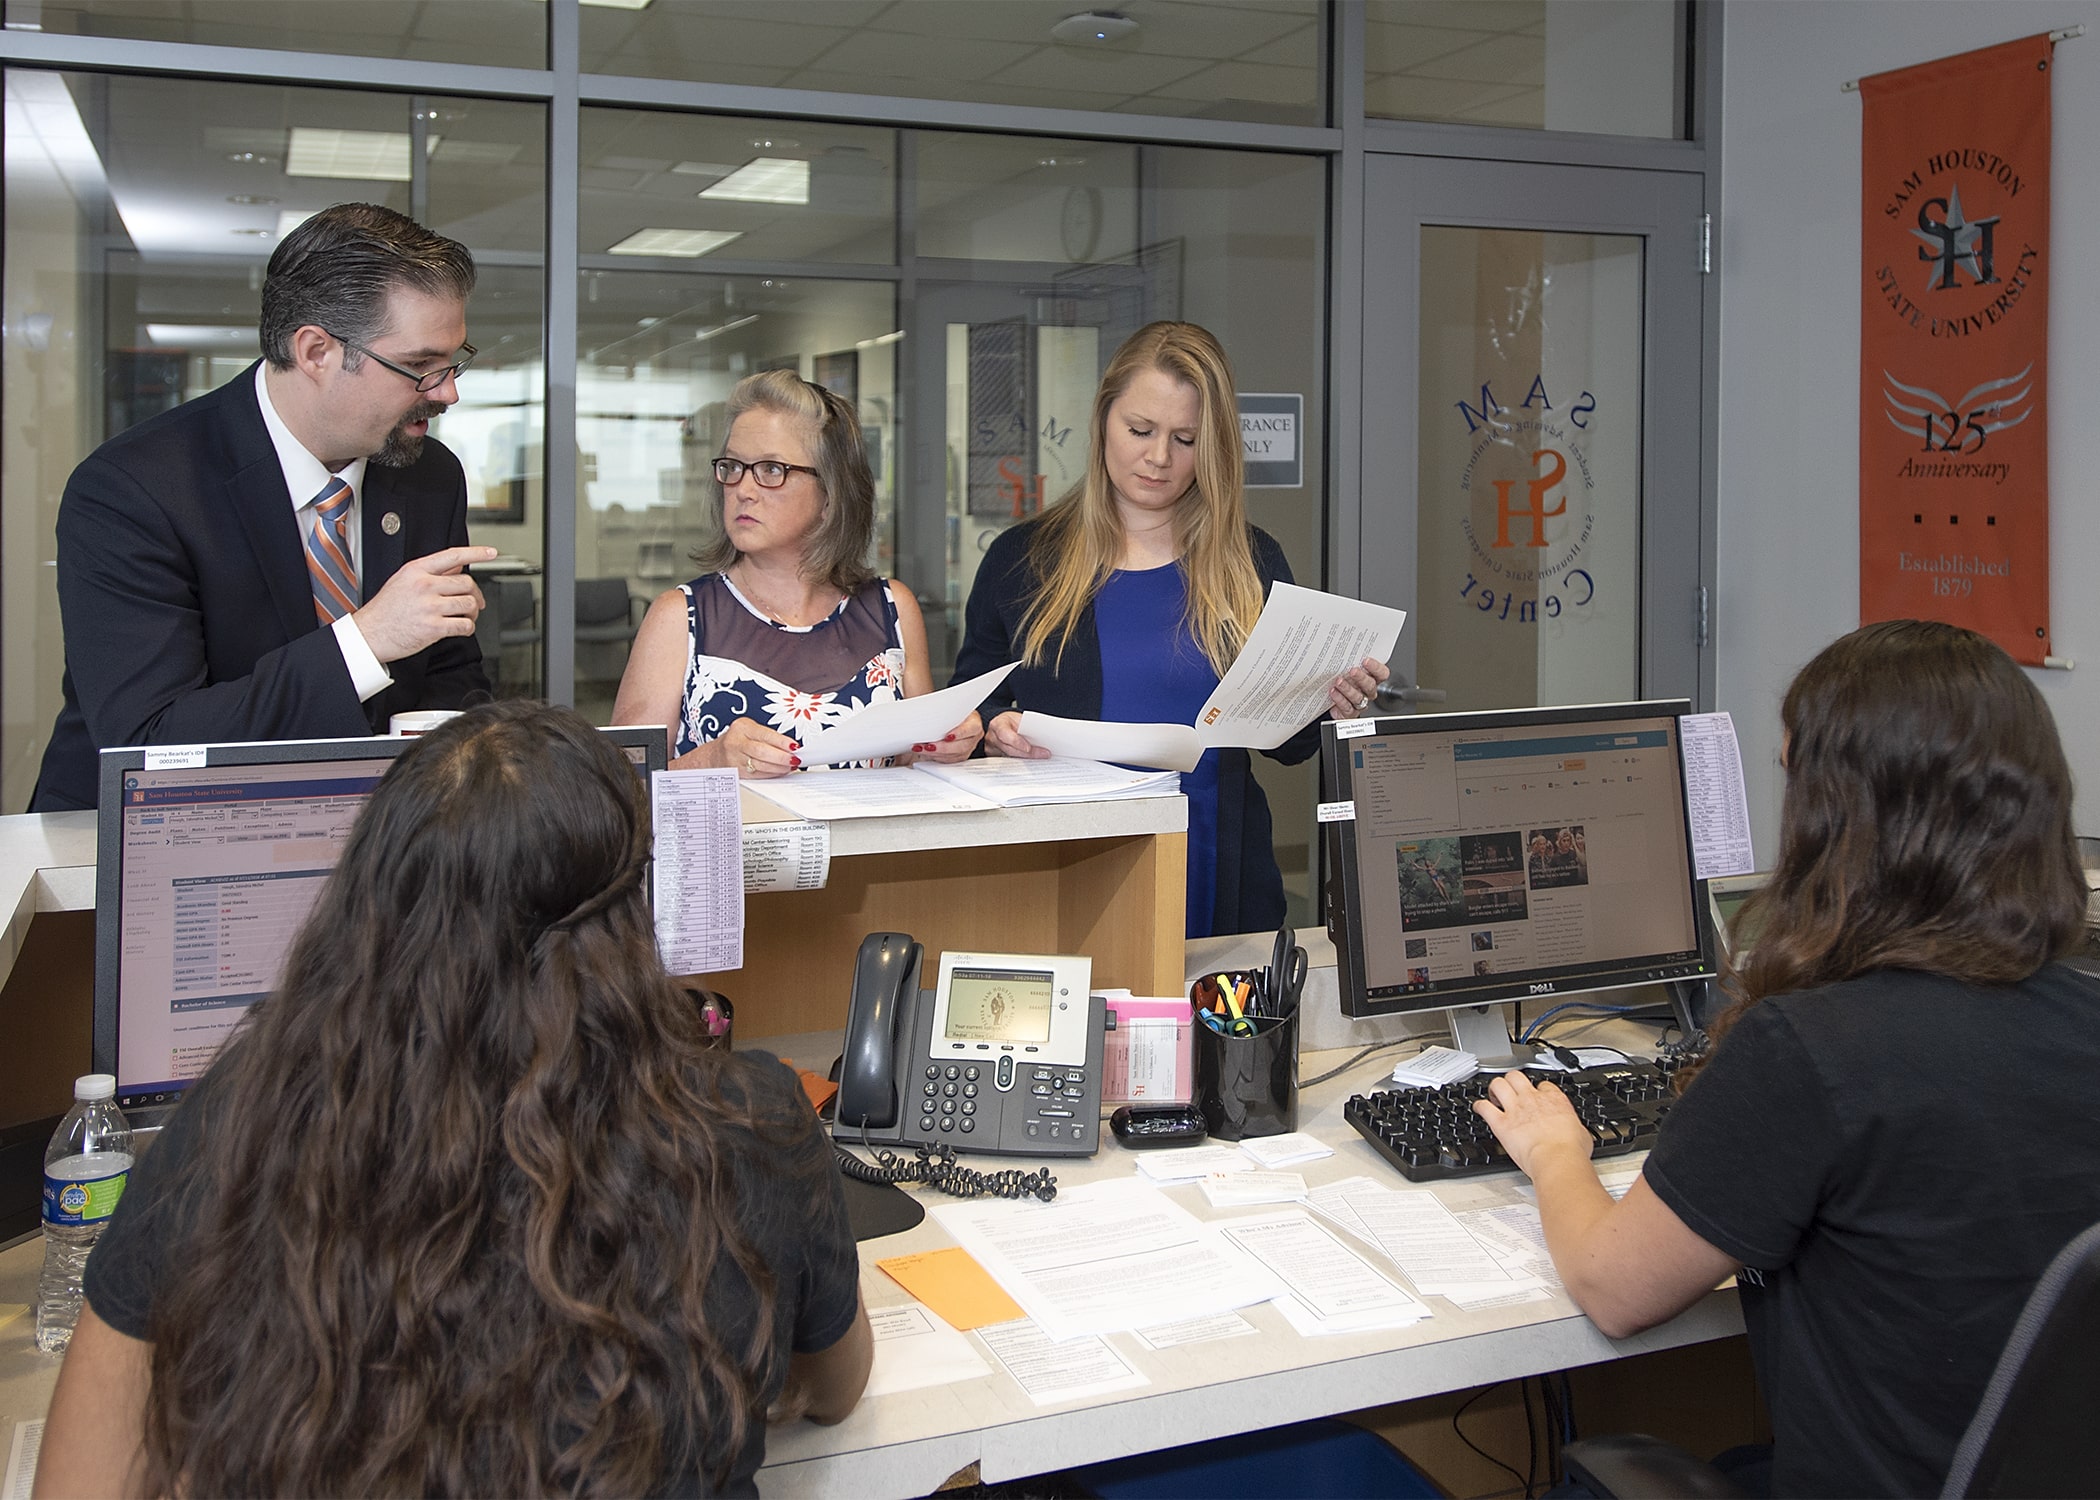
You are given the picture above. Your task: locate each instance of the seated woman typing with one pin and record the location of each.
(788, 631)
(468, 1205)
(1886, 1141)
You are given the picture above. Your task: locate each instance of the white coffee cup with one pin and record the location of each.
(422, 721)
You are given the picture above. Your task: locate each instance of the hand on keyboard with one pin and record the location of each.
(1529, 1118)
(1431, 1134)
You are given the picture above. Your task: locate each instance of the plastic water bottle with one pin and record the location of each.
(85, 1168)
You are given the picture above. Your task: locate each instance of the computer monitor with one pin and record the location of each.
(208, 859)
(1481, 858)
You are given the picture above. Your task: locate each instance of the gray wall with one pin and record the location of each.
(1788, 254)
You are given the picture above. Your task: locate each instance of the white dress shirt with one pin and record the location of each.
(306, 477)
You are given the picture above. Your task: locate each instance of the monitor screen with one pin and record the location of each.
(1523, 853)
(208, 861)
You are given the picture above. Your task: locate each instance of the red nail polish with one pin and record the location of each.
(794, 760)
(947, 739)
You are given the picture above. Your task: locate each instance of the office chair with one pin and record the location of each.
(2031, 1435)
(605, 628)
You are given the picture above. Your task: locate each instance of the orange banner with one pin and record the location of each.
(1954, 345)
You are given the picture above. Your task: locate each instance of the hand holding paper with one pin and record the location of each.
(895, 726)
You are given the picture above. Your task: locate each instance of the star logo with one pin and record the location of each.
(1953, 241)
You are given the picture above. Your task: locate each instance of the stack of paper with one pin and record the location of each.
(1007, 782)
(1433, 1067)
(1239, 1189)
(1432, 1248)
(1188, 1163)
(1106, 1257)
(1332, 1289)
(1285, 1150)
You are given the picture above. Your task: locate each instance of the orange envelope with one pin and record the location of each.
(955, 1286)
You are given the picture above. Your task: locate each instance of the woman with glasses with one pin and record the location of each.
(787, 631)
(1129, 598)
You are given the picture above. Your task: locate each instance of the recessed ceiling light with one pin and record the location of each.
(617, 4)
(1094, 28)
(250, 231)
(192, 335)
(356, 155)
(774, 143)
(764, 179)
(251, 158)
(249, 198)
(1060, 161)
(681, 244)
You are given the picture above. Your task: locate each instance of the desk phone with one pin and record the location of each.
(1002, 1057)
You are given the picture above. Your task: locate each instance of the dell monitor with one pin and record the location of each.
(1478, 859)
(208, 859)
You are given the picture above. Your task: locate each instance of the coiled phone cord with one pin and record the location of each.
(937, 1167)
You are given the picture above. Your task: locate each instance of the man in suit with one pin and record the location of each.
(283, 558)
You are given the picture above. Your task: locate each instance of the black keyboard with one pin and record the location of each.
(1430, 1135)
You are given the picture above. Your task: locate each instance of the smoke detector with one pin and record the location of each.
(1094, 28)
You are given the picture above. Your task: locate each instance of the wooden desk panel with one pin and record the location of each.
(1118, 900)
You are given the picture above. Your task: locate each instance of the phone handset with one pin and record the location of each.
(885, 976)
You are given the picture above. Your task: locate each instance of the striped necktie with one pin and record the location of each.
(328, 554)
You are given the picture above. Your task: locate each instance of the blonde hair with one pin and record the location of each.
(837, 550)
(1080, 538)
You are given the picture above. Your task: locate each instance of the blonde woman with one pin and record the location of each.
(788, 631)
(1130, 597)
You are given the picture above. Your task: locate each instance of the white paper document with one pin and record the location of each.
(1434, 1250)
(1336, 1289)
(915, 1347)
(1715, 802)
(872, 792)
(1242, 1189)
(1285, 1150)
(1058, 1371)
(1433, 1067)
(1275, 687)
(786, 856)
(22, 1450)
(1303, 641)
(1191, 1163)
(1105, 1258)
(1009, 782)
(893, 725)
(699, 870)
(1203, 1330)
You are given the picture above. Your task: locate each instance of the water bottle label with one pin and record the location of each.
(69, 1201)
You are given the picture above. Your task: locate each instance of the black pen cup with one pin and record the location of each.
(1248, 1085)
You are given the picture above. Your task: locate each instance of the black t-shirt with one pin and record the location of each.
(1894, 1160)
(803, 1237)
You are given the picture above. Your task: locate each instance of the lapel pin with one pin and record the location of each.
(390, 523)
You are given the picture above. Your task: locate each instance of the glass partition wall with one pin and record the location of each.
(950, 212)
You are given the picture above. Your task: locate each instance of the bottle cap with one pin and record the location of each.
(95, 1086)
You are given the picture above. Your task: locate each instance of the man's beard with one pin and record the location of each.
(401, 450)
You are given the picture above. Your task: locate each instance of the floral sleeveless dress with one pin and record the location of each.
(791, 678)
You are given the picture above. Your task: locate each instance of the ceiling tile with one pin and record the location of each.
(1241, 80)
(1502, 59)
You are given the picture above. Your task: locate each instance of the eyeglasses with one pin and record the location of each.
(771, 474)
(424, 382)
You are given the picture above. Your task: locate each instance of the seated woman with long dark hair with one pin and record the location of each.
(469, 1205)
(1887, 1139)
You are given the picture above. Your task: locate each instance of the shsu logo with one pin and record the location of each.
(1527, 568)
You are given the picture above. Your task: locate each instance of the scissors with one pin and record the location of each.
(1286, 975)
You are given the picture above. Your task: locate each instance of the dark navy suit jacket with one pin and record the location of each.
(1250, 887)
(188, 613)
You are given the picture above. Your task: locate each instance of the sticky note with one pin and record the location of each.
(953, 1284)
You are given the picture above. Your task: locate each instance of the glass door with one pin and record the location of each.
(1532, 388)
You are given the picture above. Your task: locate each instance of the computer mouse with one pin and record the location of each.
(1148, 1127)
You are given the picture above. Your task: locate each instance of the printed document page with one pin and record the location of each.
(1302, 642)
(1018, 783)
(894, 725)
(1107, 1257)
(1715, 802)
(699, 870)
(874, 792)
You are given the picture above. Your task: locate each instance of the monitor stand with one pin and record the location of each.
(1484, 1031)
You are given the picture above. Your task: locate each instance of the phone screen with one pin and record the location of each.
(999, 1005)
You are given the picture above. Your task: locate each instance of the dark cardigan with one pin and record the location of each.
(1250, 887)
